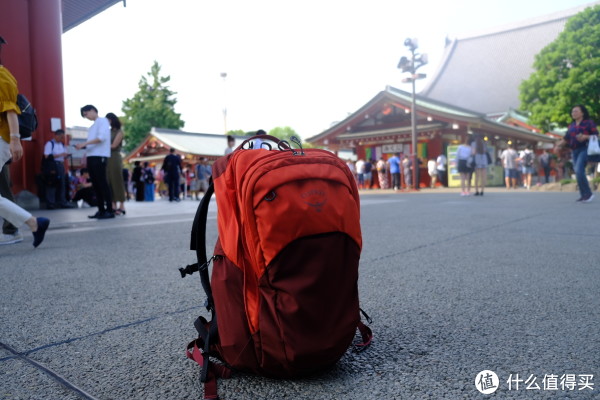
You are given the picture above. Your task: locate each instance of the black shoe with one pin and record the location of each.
(38, 236)
(67, 205)
(106, 215)
(50, 207)
(95, 215)
(476, 193)
(481, 194)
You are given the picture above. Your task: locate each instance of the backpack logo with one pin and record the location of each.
(315, 199)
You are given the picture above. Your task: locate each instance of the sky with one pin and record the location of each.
(303, 64)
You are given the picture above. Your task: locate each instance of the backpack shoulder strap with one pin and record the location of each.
(207, 330)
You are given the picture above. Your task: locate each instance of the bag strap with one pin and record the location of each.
(214, 371)
(207, 330)
(198, 243)
(366, 333)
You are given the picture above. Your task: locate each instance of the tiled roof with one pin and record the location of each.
(482, 72)
(204, 144)
(75, 12)
(437, 109)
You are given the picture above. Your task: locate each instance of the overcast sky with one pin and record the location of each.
(304, 64)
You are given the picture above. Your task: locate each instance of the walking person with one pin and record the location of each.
(172, 168)
(480, 156)
(115, 165)
(577, 138)
(394, 163)
(10, 148)
(10, 233)
(509, 162)
(98, 152)
(464, 155)
(528, 160)
(432, 171)
(441, 169)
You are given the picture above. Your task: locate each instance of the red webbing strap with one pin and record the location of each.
(366, 335)
(214, 370)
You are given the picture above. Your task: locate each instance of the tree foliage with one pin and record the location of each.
(152, 106)
(283, 133)
(567, 73)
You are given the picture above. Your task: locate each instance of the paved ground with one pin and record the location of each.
(509, 282)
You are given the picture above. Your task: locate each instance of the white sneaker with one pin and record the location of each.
(588, 199)
(11, 239)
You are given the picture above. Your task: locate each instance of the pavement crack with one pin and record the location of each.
(56, 377)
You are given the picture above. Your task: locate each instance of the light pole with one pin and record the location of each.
(224, 76)
(411, 65)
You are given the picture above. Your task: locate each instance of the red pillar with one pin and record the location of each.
(33, 30)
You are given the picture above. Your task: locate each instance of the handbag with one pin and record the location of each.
(593, 147)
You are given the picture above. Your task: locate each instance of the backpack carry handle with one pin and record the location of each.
(280, 143)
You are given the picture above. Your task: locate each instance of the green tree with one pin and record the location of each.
(152, 106)
(567, 73)
(283, 133)
(237, 132)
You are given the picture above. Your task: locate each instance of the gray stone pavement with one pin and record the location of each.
(508, 282)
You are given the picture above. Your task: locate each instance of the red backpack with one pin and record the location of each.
(283, 294)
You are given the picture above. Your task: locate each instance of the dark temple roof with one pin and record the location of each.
(75, 12)
(483, 71)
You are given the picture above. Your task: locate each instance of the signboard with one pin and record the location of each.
(392, 148)
(494, 172)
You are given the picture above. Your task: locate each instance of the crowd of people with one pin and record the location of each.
(396, 172)
(473, 157)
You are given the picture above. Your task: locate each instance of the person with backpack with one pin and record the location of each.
(528, 159)
(53, 170)
(11, 149)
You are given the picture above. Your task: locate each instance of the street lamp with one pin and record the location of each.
(411, 65)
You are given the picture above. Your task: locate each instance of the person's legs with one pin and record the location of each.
(547, 174)
(7, 227)
(97, 168)
(61, 198)
(17, 215)
(94, 166)
(579, 163)
(50, 183)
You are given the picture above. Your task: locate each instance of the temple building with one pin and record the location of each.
(475, 91)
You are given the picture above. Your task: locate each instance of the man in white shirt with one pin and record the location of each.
(97, 152)
(441, 169)
(509, 162)
(55, 177)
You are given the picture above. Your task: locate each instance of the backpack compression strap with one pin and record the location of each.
(214, 370)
